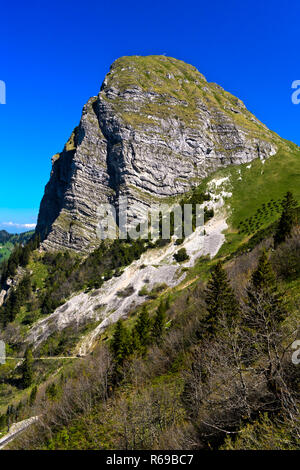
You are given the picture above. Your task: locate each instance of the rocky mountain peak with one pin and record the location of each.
(155, 130)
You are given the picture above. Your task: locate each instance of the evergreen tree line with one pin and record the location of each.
(17, 298)
(19, 257)
(287, 219)
(224, 313)
(14, 414)
(262, 298)
(66, 274)
(146, 331)
(246, 338)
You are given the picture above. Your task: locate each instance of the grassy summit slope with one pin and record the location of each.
(176, 88)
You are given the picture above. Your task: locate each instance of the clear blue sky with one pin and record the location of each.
(54, 56)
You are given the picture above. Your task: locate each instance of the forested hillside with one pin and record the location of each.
(205, 365)
(182, 342)
(8, 241)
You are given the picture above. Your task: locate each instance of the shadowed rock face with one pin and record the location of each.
(156, 129)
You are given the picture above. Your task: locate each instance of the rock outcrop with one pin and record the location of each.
(156, 129)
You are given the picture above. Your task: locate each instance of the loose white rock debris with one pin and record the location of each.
(119, 295)
(215, 183)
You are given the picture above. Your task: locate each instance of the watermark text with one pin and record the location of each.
(2, 92)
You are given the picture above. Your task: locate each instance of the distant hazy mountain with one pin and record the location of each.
(9, 240)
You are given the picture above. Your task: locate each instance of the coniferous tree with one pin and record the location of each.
(19, 410)
(264, 298)
(4, 268)
(24, 255)
(287, 219)
(27, 376)
(10, 416)
(3, 421)
(159, 322)
(263, 277)
(32, 396)
(263, 314)
(220, 300)
(142, 329)
(24, 290)
(52, 391)
(120, 343)
(167, 303)
(17, 297)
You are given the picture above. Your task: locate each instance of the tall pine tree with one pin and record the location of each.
(159, 322)
(263, 278)
(263, 313)
(220, 300)
(286, 220)
(120, 343)
(33, 395)
(142, 329)
(264, 299)
(27, 376)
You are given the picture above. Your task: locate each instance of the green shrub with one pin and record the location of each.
(181, 255)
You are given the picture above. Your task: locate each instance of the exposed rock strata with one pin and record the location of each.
(155, 130)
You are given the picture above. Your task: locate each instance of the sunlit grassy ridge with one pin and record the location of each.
(262, 182)
(174, 87)
(254, 192)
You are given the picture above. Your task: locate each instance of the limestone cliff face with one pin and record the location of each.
(156, 129)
